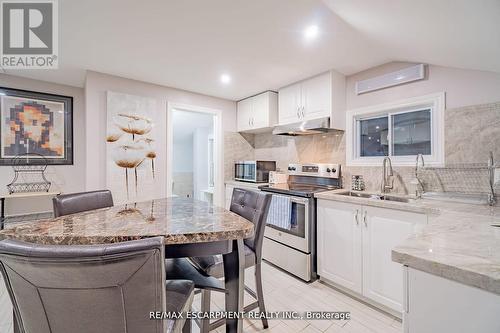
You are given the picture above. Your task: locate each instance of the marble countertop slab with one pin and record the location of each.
(237, 183)
(416, 206)
(178, 220)
(459, 243)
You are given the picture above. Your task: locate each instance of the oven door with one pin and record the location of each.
(290, 228)
(245, 171)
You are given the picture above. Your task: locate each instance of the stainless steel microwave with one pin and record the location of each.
(253, 171)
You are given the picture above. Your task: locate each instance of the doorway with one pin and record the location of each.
(194, 153)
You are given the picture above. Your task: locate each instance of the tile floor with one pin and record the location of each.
(283, 293)
(5, 309)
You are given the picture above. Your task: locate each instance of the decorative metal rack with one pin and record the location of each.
(29, 174)
(474, 179)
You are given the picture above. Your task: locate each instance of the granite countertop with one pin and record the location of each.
(416, 206)
(179, 220)
(459, 243)
(244, 184)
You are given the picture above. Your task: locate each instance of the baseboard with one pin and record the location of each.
(361, 298)
(27, 214)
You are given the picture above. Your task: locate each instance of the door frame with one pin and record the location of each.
(218, 135)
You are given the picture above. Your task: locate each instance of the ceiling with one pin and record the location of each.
(188, 44)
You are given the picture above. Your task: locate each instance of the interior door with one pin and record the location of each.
(244, 113)
(339, 243)
(317, 94)
(289, 103)
(384, 229)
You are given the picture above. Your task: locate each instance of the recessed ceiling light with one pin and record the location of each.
(311, 32)
(225, 78)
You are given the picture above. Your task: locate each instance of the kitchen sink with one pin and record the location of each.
(397, 199)
(361, 195)
(377, 196)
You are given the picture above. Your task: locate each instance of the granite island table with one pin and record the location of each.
(189, 228)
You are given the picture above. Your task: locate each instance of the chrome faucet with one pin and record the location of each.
(387, 177)
(491, 169)
(420, 187)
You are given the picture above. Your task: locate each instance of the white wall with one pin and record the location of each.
(96, 86)
(183, 152)
(64, 178)
(462, 87)
(200, 160)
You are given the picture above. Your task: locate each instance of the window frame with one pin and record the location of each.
(434, 102)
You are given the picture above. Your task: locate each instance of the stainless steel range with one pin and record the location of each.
(290, 236)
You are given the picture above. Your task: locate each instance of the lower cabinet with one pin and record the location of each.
(355, 244)
(436, 304)
(339, 243)
(229, 192)
(228, 196)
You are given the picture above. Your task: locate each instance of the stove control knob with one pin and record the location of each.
(334, 170)
(291, 168)
(328, 170)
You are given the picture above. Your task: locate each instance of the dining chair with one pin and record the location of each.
(110, 288)
(253, 206)
(71, 203)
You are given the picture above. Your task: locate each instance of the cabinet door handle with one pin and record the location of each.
(356, 216)
(298, 111)
(252, 121)
(364, 219)
(303, 112)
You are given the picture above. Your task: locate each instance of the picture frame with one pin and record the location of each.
(36, 123)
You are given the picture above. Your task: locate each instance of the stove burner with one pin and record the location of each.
(298, 189)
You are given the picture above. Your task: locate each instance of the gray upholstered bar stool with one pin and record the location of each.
(72, 203)
(253, 206)
(92, 288)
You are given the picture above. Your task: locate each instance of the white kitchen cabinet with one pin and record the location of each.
(228, 196)
(355, 253)
(244, 114)
(436, 304)
(290, 103)
(257, 112)
(317, 97)
(383, 230)
(230, 187)
(339, 243)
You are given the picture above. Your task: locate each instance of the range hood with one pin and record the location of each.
(306, 127)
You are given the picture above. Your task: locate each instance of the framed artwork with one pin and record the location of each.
(35, 123)
(132, 147)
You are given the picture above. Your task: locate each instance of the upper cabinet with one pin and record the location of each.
(317, 97)
(289, 104)
(258, 112)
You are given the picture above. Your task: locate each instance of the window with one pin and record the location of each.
(411, 133)
(399, 130)
(373, 136)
